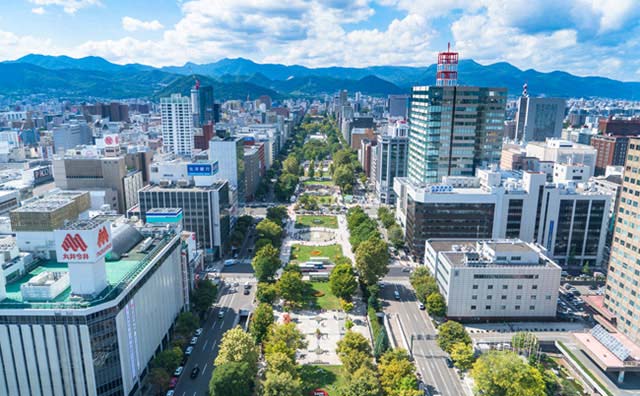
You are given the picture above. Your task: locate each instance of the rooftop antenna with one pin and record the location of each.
(447, 70)
(525, 91)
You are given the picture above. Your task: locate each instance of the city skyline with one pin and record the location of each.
(579, 37)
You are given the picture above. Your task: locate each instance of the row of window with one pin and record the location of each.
(504, 297)
(503, 307)
(506, 287)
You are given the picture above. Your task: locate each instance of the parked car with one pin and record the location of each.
(221, 313)
(194, 341)
(195, 372)
(170, 392)
(173, 382)
(198, 332)
(246, 292)
(449, 362)
(406, 269)
(396, 295)
(178, 371)
(421, 306)
(188, 351)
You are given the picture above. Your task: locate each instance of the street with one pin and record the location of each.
(207, 347)
(430, 360)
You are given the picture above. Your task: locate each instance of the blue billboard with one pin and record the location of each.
(202, 169)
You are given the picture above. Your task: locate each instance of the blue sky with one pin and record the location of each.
(584, 37)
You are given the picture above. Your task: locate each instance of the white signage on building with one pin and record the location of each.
(83, 246)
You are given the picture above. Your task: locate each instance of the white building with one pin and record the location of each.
(177, 125)
(564, 152)
(494, 279)
(81, 325)
(569, 219)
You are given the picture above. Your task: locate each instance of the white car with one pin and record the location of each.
(194, 341)
(199, 332)
(221, 313)
(178, 371)
(188, 351)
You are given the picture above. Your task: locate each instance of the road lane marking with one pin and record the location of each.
(214, 345)
(205, 345)
(205, 368)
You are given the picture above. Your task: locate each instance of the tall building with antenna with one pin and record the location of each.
(453, 129)
(538, 119)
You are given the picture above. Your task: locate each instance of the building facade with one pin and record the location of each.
(454, 130)
(206, 211)
(177, 125)
(567, 218)
(624, 269)
(494, 279)
(611, 150)
(391, 161)
(229, 153)
(538, 119)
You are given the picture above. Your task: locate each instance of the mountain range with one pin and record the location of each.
(238, 78)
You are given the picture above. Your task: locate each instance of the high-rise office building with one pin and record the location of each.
(611, 150)
(70, 135)
(207, 108)
(454, 130)
(229, 153)
(539, 118)
(177, 125)
(398, 105)
(624, 269)
(391, 160)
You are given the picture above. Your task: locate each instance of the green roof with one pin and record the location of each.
(119, 274)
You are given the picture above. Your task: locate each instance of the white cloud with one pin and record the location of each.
(38, 10)
(133, 24)
(69, 6)
(13, 46)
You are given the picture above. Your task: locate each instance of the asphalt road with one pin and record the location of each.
(430, 360)
(206, 349)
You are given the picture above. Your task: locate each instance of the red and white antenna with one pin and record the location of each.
(447, 74)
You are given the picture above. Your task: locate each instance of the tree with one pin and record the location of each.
(291, 165)
(343, 177)
(277, 214)
(462, 355)
(396, 237)
(363, 382)
(270, 230)
(586, 270)
(262, 242)
(187, 323)
(237, 346)
(525, 342)
(284, 338)
(280, 362)
(266, 293)
(159, 379)
(281, 384)
(312, 171)
(498, 373)
(233, 378)
(290, 286)
(381, 342)
(342, 281)
(436, 305)
(397, 374)
(423, 284)
(386, 217)
(450, 333)
(204, 296)
(266, 263)
(285, 186)
(372, 258)
(169, 359)
(354, 351)
(260, 321)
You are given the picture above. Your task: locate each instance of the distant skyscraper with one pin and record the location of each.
(391, 160)
(398, 106)
(539, 118)
(177, 124)
(454, 130)
(207, 108)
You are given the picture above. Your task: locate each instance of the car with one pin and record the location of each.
(170, 392)
(221, 313)
(246, 292)
(421, 306)
(381, 285)
(195, 371)
(396, 295)
(188, 351)
(247, 285)
(198, 332)
(194, 341)
(178, 371)
(449, 362)
(406, 269)
(236, 284)
(173, 382)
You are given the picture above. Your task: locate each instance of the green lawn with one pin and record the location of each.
(316, 221)
(319, 182)
(319, 296)
(321, 377)
(325, 199)
(302, 253)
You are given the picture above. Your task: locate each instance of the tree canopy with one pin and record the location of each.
(499, 373)
(232, 378)
(260, 321)
(342, 281)
(450, 333)
(372, 258)
(266, 263)
(237, 346)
